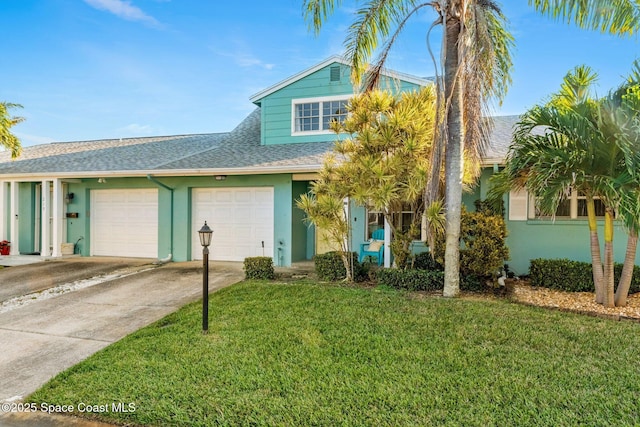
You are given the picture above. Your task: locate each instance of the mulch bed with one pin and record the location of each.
(577, 302)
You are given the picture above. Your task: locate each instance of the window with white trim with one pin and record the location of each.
(575, 207)
(315, 115)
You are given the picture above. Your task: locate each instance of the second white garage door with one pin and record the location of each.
(124, 222)
(241, 219)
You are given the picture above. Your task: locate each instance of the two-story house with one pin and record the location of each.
(148, 197)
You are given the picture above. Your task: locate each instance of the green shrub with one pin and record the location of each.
(424, 280)
(484, 248)
(424, 261)
(260, 267)
(572, 276)
(330, 267)
(411, 280)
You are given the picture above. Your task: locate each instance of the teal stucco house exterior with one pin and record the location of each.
(148, 197)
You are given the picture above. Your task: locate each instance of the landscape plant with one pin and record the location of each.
(259, 268)
(7, 139)
(473, 70)
(382, 163)
(575, 142)
(484, 249)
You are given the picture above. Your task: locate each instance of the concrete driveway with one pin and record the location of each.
(42, 338)
(26, 279)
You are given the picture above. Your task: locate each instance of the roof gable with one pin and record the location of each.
(256, 98)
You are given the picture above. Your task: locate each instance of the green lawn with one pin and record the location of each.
(304, 354)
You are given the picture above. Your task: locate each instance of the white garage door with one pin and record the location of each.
(124, 223)
(241, 220)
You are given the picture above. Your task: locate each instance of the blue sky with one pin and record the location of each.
(97, 69)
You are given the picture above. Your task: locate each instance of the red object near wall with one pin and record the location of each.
(5, 247)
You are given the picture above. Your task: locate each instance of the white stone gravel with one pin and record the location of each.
(24, 300)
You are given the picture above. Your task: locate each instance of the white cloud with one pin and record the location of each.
(244, 60)
(124, 9)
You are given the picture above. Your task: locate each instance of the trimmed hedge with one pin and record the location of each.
(329, 267)
(572, 276)
(259, 267)
(423, 280)
(411, 280)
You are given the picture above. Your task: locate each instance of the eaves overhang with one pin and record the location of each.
(263, 170)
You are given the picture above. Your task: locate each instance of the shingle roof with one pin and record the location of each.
(239, 149)
(106, 155)
(501, 137)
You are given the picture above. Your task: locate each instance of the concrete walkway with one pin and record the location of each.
(41, 339)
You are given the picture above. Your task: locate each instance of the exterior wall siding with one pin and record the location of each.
(276, 107)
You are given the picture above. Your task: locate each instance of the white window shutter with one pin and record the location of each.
(518, 205)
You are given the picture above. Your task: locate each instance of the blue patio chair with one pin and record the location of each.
(373, 248)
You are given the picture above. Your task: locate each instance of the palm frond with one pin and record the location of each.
(620, 17)
(316, 12)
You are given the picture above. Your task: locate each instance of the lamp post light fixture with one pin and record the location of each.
(205, 240)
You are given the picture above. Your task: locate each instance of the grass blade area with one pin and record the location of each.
(308, 354)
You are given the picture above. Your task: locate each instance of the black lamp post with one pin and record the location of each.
(205, 240)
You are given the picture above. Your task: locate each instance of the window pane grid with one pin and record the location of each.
(318, 116)
(307, 117)
(575, 206)
(333, 111)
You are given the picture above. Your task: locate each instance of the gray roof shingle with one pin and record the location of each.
(501, 137)
(239, 149)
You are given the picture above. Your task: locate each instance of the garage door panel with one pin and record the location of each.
(223, 196)
(241, 219)
(124, 222)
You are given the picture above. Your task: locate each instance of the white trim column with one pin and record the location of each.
(13, 217)
(387, 244)
(4, 211)
(45, 220)
(57, 203)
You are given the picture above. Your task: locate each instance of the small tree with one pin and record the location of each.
(383, 164)
(387, 155)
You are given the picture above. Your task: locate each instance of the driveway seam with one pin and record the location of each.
(48, 334)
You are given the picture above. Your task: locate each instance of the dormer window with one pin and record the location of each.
(314, 115)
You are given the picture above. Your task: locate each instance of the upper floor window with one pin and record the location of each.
(315, 115)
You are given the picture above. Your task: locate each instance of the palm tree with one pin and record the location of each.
(8, 140)
(476, 59)
(590, 146)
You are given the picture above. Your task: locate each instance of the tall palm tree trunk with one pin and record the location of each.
(627, 270)
(608, 259)
(596, 259)
(453, 160)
